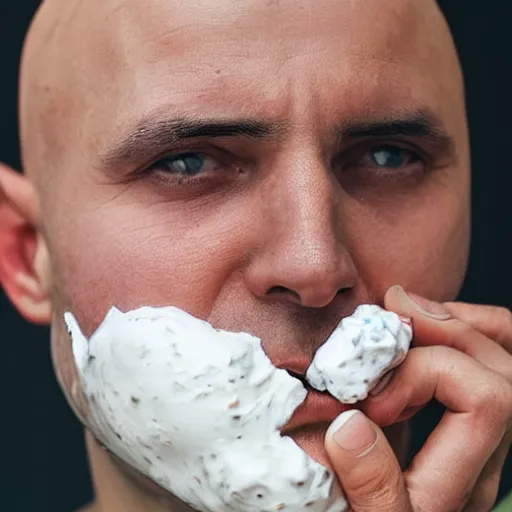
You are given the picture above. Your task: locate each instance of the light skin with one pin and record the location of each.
(326, 160)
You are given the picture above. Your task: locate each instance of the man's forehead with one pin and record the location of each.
(153, 22)
(110, 44)
(116, 56)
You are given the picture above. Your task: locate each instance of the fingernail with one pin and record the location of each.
(379, 387)
(426, 307)
(352, 432)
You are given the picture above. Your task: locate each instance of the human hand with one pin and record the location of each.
(462, 358)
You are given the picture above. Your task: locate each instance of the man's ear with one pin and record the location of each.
(24, 261)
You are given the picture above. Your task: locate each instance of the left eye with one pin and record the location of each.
(186, 164)
(392, 157)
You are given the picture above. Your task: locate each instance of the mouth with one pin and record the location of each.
(319, 408)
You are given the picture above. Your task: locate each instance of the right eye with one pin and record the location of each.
(187, 165)
(389, 159)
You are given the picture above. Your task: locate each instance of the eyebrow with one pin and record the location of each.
(152, 137)
(421, 124)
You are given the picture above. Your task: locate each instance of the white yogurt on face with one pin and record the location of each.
(198, 410)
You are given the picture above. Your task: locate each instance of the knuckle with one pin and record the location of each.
(503, 323)
(439, 353)
(503, 399)
(493, 402)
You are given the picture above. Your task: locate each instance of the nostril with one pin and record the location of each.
(278, 289)
(293, 295)
(282, 290)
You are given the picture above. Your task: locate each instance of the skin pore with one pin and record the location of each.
(326, 156)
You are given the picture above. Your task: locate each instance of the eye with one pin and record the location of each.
(194, 171)
(187, 164)
(391, 157)
(384, 164)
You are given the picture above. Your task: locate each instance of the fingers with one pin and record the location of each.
(479, 403)
(494, 322)
(485, 334)
(366, 465)
(436, 328)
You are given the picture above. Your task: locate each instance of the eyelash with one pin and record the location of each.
(348, 160)
(222, 159)
(356, 154)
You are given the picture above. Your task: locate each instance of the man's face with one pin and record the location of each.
(266, 166)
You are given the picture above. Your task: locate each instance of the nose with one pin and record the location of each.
(303, 259)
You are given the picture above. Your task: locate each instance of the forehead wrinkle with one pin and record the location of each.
(171, 27)
(419, 48)
(85, 35)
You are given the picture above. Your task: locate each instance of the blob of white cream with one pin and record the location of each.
(198, 410)
(359, 352)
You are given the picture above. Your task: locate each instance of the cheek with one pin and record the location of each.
(124, 258)
(421, 243)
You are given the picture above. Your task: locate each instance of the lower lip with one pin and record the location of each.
(317, 408)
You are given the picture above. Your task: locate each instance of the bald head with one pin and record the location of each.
(92, 65)
(264, 165)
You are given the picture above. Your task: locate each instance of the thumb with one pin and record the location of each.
(365, 465)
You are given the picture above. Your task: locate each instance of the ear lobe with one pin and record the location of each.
(22, 251)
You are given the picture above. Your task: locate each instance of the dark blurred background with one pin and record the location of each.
(42, 456)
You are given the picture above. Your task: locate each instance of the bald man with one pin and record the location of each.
(266, 166)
